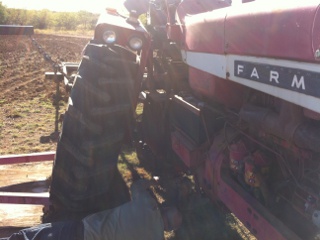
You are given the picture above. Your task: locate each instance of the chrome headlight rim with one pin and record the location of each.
(135, 43)
(109, 36)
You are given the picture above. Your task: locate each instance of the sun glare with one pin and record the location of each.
(95, 6)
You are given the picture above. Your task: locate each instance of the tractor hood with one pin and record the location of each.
(114, 18)
(286, 30)
(137, 6)
(271, 47)
(123, 26)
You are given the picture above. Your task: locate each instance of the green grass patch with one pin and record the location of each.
(19, 126)
(2, 101)
(36, 111)
(139, 109)
(130, 156)
(15, 114)
(15, 136)
(33, 125)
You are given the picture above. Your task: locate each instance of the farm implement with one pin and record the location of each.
(25, 197)
(230, 96)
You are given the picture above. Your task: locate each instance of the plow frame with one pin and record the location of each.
(25, 197)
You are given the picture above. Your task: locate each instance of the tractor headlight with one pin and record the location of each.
(109, 37)
(135, 43)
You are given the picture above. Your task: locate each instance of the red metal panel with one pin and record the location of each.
(191, 7)
(255, 217)
(229, 93)
(277, 29)
(259, 221)
(23, 158)
(25, 198)
(174, 33)
(316, 34)
(311, 114)
(205, 32)
(187, 151)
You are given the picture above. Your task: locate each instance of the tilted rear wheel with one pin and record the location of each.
(98, 116)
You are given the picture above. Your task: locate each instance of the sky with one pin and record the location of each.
(95, 6)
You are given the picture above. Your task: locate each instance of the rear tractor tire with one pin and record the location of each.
(99, 115)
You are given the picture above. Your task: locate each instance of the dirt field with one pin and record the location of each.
(26, 110)
(27, 116)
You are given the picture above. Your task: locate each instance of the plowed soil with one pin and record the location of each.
(26, 110)
(27, 117)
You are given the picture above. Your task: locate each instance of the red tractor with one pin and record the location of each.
(233, 92)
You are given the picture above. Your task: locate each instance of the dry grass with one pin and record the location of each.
(24, 123)
(87, 33)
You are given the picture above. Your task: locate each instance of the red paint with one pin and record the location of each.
(229, 93)
(186, 150)
(192, 7)
(24, 158)
(21, 197)
(254, 29)
(275, 31)
(205, 33)
(174, 33)
(311, 114)
(25, 198)
(214, 175)
(259, 221)
(255, 217)
(316, 32)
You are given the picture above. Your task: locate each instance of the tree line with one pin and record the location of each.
(45, 19)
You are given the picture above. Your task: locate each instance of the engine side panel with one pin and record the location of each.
(271, 30)
(229, 93)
